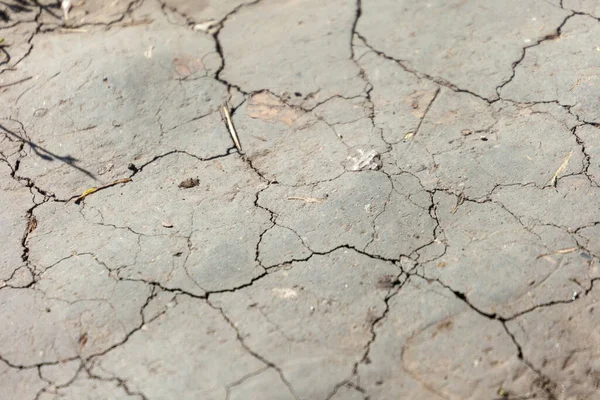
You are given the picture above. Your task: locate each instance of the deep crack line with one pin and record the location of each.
(438, 230)
(586, 158)
(420, 75)
(29, 40)
(545, 383)
(387, 201)
(153, 293)
(243, 379)
(348, 384)
(37, 365)
(368, 85)
(131, 6)
(515, 64)
(51, 385)
(354, 24)
(30, 226)
(135, 170)
(120, 383)
(219, 48)
(252, 352)
(396, 285)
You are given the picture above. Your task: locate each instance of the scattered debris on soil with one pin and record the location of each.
(189, 183)
(363, 160)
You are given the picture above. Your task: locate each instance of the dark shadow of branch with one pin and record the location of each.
(47, 155)
(10, 7)
(14, 7)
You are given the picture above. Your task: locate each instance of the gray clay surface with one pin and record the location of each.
(415, 214)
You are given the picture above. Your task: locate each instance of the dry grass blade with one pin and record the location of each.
(73, 30)
(85, 194)
(459, 202)
(561, 251)
(560, 169)
(83, 339)
(143, 21)
(308, 199)
(231, 128)
(32, 224)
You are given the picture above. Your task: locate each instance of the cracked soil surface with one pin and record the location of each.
(415, 214)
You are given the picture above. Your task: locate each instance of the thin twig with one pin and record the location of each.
(231, 128)
(561, 169)
(308, 199)
(561, 251)
(78, 199)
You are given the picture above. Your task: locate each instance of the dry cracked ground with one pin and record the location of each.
(415, 215)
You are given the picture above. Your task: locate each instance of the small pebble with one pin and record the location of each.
(189, 183)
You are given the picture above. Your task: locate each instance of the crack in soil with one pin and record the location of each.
(515, 64)
(220, 24)
(545, 383)
(253, 353)
(244, 379)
